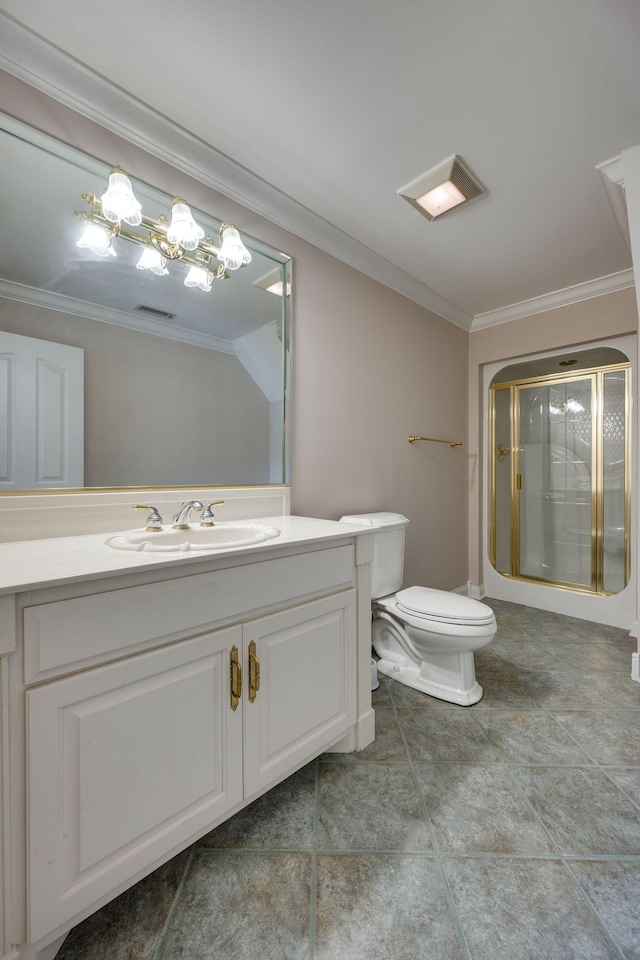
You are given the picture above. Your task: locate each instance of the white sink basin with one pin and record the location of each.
(222, 536)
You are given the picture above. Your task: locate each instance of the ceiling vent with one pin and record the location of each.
(443, 188)
(154, 312)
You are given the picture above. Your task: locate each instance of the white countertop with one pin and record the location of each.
(31, 564)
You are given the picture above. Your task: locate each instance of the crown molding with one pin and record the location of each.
(34, 60)
(612, 178)
(558, 298)
(118, 318)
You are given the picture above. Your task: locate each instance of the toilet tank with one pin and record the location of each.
(388, 550)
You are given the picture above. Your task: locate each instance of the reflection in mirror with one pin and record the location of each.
(115, 376)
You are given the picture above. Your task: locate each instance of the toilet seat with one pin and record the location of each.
(443, 607)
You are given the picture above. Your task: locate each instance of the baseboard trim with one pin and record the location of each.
(635, 667)
(477, 591)
(633, 632)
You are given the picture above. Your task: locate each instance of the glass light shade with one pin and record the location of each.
(118, 200)
(183, 229)
(97, 239)
(151, 259)
(233, 252)
(442, 198)
(198, 277)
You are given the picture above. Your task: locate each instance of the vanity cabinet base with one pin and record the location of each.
(131, 761)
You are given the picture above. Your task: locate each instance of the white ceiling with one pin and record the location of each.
(339, 103)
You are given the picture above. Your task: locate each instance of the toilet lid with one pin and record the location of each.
(443, 606)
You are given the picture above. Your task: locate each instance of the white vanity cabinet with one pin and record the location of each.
(156, 705)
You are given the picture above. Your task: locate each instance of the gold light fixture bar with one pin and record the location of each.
(156, 237)
(117, 214)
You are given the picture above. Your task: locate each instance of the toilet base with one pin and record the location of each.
(447, 674)
(457, 685)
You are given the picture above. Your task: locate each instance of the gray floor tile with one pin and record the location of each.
(524, 910)
(370, 807)
(602, 633)
(628, 780)
(387, 746)
(449, 735)
(383, 908)
(508, 629)
(282, 819)
(617, 687)
(501, 688)
(583, 811)
(592, 657)
(609, 736)
(614, 889)
(130, 927)
(381, 696)
(249, 906)
(525, 655)
(479, 809)
(559, 688)
(542, 629)
(530, 736)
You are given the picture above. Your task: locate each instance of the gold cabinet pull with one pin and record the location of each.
(235, 686)
(254, 672)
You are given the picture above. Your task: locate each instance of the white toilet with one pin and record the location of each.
(424, 638)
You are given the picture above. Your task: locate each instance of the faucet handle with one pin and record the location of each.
(206, 519)
(154, 520)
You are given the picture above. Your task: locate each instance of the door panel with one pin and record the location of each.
(306, 695)
(125, 763)
(41, 413)
(556, 462)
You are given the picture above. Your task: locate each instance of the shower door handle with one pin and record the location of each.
(501, 452)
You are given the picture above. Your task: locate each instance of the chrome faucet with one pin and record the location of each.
(181, 519)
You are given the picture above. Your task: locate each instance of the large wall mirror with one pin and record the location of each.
(160, 384)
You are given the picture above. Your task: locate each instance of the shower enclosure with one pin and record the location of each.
(560, 474)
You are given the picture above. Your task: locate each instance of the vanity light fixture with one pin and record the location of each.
(443, 188)
(112, 216)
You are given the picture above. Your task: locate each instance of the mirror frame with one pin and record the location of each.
(11, 290)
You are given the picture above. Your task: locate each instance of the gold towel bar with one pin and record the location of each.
(452, 443)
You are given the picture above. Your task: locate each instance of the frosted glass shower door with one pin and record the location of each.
(555, 473)
(615, 468)
(501, 464)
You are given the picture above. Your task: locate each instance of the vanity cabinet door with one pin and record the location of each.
(126, 763)
(306, 698)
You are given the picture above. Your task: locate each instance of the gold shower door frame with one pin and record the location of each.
(596, 377)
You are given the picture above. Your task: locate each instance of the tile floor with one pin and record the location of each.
(505, 831)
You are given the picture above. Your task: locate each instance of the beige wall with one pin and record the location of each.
(370, 367)
(157, 412)
(601, 318)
